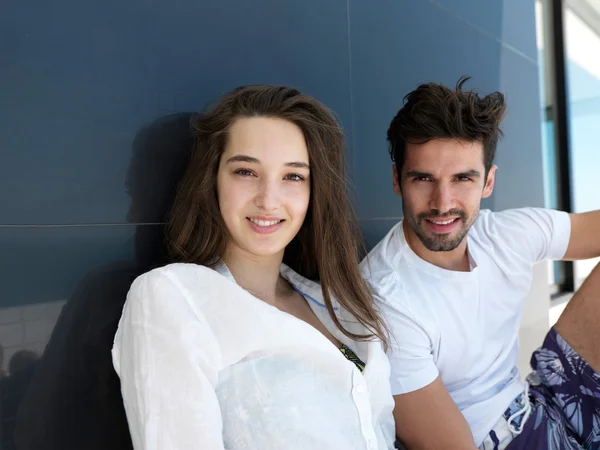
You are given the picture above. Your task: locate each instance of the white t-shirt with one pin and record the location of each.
(205, 365)
(464, 326)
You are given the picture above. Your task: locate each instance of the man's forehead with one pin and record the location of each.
(444, 154)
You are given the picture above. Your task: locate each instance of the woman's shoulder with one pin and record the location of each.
(177, 272)
(182, 277)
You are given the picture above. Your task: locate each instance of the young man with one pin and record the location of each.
(451, 280)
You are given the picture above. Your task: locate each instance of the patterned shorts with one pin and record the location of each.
(564, 395)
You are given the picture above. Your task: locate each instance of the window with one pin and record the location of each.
(582, 49)
(568, 37)
(555, 154)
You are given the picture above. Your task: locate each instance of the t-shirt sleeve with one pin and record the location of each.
(538, 234)
(411, 349)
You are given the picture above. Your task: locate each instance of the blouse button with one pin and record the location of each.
(360, 389)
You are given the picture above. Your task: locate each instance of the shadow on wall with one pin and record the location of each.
(70, 399)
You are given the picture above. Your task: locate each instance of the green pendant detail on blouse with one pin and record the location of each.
(351, 356)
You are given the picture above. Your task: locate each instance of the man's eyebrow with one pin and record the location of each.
(418, 173)
(468, 174)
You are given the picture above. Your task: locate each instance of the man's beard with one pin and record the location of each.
(440, 242)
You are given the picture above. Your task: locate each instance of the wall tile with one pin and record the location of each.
(11, 334)
(42, 265)
(10, 315)
(375, 230)
(519, 179)
(507, 20)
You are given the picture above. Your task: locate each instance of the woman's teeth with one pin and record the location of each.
(265, 223)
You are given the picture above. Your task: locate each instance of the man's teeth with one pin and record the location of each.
(443, 223)
(265, 223)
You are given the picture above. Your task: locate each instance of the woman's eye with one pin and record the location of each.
(294, 177)
(244, 172)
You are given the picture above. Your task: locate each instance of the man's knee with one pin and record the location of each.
(579, 323)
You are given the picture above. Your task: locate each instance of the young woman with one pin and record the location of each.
(229, 348)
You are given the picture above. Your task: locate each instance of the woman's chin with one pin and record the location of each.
(261, 246)
(267, 249)
(274, 252)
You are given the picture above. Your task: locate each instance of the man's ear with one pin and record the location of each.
(396, 180)
(489, 182)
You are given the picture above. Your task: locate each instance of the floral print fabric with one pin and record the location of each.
(564, 394)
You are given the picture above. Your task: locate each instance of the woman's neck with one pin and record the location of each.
(257, 275)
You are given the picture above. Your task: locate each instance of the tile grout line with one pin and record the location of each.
(369, 219)
(91, 225)
(79, 225)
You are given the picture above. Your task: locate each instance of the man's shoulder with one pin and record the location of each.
(488, 217)
(519, 236)
(515, 222)
(385, 258)
(511, 215)
(387, 272)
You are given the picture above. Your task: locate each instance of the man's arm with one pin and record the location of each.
(584, 242)
(428, 419)
(426, 416)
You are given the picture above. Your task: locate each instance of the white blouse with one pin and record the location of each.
(205, 365)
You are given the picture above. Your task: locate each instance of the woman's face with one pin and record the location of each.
(263, 185)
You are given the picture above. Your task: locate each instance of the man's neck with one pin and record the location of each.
(456, 260)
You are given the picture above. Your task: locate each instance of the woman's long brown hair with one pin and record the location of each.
(327, 246)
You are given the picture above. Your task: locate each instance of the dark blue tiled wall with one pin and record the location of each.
(507, 21)
(94, 102)
(79, 82)
(519, 179)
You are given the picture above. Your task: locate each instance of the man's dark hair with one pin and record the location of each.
(434, 111)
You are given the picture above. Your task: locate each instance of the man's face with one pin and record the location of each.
(442, 184)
